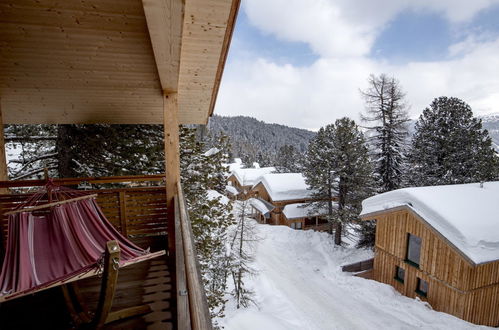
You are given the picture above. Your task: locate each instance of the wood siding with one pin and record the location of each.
(455, 285)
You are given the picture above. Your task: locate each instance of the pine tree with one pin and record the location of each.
(219, 158)
(210, 213)
(386, 112)
(31, 149)
(288, 160)
(242, 239)
(337, 165)
(449, 146)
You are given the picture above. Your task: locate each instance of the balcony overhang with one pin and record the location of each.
(94, 61)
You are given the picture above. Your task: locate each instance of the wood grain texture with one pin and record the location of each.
(198, 305)
(455, 286)
(86, 62)
(164, 21)
(172, 161)
(207, 29)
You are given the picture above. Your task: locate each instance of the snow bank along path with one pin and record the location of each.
(466, 214)
(300, 286)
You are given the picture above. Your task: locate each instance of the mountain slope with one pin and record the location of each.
(251, 137)
(491, 123)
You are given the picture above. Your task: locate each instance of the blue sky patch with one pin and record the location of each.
(414, 36)
(249, 40)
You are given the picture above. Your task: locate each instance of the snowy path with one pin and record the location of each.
(300, 286)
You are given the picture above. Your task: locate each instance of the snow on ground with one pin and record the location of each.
(300, 286)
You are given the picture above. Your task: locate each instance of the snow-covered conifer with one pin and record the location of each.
(387, 124)
(449, 146)
(338, 166)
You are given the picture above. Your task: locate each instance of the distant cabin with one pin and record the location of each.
(304, 216)
(284, 191)
(243, 179)
(441, 244)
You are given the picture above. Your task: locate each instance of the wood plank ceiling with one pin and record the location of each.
(92, 61)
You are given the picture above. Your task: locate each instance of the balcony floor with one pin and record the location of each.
(147, 282)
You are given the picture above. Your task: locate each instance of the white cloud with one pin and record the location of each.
(342, 33)
(338, 28)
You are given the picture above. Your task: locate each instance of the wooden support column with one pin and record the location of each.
(172, 162)
(3, 159)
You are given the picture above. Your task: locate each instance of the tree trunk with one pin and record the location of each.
(337, 233)
(63, 149)
(330, 207)
(341, 205)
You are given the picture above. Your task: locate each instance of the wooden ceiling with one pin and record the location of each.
(109, 61)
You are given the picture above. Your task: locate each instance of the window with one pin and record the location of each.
(399, 274)
(413, 249)
(422, 287)
(296, 225)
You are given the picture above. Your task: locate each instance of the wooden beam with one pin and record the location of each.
(77, 181)
(172, 163)
(182, 302)
(225, 52)
(164, 22)
(198, 305)
(4, 176)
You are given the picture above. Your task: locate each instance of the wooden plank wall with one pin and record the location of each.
(437, 256)
(455, 285)
(135, 212)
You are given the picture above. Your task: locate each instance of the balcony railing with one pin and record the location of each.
(140, 214)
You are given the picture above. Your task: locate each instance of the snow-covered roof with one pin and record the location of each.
(237, 164)
(213, 194)
(249, 176)
(261, 205)
(211, 152)
(465, 214)
(301, 210)
(285, 186)
(232, 190)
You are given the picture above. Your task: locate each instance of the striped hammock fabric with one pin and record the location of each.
(57, 245)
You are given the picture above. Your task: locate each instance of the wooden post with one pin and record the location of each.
(172, 162)
(4, 176)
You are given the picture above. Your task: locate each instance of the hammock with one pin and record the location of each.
(63, 242)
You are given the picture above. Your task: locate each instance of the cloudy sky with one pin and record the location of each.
(302, 62)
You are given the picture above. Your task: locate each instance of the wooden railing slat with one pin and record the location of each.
(198, 305)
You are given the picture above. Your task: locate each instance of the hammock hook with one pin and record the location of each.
(116, 263)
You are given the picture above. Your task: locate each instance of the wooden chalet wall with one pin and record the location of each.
(277, 217)
(455, 285)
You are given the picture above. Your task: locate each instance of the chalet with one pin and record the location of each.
(280, 190)
(303, 216)
(243, 179)
(110, 62)
(441, 244)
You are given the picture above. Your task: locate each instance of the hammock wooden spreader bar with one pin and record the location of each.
(79, 312)
(44, 206)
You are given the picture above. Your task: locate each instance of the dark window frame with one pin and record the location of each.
(419, 241)
(418, 287)
(397, 274)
